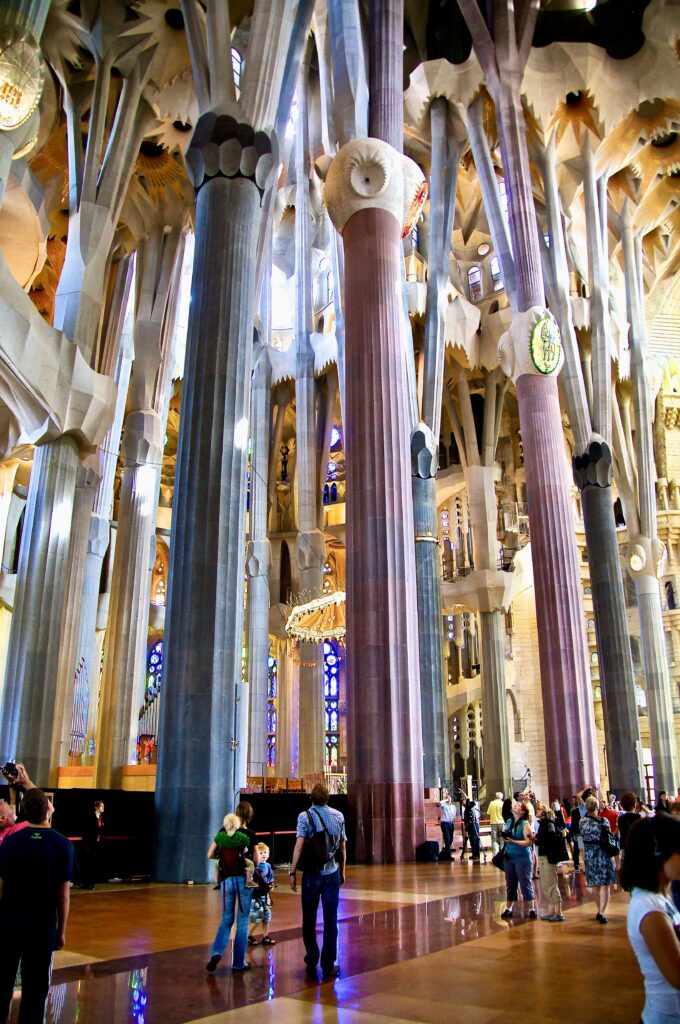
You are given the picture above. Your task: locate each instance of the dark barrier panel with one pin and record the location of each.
(276, 816)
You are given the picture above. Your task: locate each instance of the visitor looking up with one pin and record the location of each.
(447, 819)
(496, 821)
(519, 839)
(600, 872)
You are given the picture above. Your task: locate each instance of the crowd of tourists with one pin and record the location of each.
(614, 841)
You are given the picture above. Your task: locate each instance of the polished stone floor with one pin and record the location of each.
(418, 943)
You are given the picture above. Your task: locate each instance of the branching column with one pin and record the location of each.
(311, 547)
(646, 553)
(532, 358)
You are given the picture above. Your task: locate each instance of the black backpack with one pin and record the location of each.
(318, 850)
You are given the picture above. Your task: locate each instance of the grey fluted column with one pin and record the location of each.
(592, 468)
(29, 695)
(646, 552)
(593, 475)
(197, 765)
(86, 484)
(310, 547)
(125, 652)
(258, 561)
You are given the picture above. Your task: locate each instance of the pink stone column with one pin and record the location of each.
(571, 750)
(384, 729)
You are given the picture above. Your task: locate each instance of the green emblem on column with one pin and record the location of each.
(545, 345)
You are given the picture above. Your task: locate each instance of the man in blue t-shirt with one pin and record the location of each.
(36, 866)
(323, 884)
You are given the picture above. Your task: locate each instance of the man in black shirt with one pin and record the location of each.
(36, 865)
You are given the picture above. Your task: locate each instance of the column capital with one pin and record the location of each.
(531, 345)
(258, 558)
(310, 550)
(370, 174)
(646, 557)
(424, 452)
(142, 438)
(594, 467)
(225, 146)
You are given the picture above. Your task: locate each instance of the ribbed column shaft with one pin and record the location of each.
(565, 682)
(29, 695)
(384, 726)
(197, 766)
(258, 561)
(68, 650)
(386, 102)
(436, 762)
(123, 678)
(617, 682)
(655, 659)
(497, 772)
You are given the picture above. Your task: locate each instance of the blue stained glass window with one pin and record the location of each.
(331, 692)
(154, 669)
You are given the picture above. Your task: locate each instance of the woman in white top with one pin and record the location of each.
(651, 863)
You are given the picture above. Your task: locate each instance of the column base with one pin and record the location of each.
(388, 821)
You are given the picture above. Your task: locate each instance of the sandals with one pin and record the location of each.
(252, 941)
(268, 942)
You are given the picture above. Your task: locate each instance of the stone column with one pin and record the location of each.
(86, 484)
(126, 635)
(531, 354)
(197, 760)
(367, 198)
(258, 560)
(310, 547)
(646, 553)
(29, 695)
(436, 760)
(593, 475)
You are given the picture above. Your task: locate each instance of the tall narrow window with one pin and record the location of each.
(474, 284)
(237, 67)
(496, 275)
(272, 704)
(331, 694)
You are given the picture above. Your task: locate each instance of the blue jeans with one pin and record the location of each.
(236, 901)
(327, 889)
(518, 871)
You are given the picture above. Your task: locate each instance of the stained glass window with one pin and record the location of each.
(331, 693)
(154, 669)
(272, 705)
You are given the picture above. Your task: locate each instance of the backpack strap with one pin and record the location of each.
(323, 828)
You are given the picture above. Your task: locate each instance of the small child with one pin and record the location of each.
(230, 838)
(261, 907)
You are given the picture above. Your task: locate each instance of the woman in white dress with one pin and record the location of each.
(651, 863)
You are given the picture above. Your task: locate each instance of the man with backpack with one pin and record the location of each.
(320, 852)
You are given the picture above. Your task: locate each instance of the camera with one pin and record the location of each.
(10, 771)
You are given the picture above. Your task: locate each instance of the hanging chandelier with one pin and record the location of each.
(319, 620)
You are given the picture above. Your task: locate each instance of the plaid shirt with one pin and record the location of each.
(334, 823)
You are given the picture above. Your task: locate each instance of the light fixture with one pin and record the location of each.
(483, 249)
(22, 76)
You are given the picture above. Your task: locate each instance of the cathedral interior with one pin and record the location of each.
(339, 405)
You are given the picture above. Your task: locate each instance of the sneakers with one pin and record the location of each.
(212, 962)
(602, 919)
(332, 972)
(507, 913)
(532, 915)
(553, 917)
(240, 970)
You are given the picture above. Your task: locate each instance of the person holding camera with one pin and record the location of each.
(519, 839)
(17, 778)
(447, 820)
